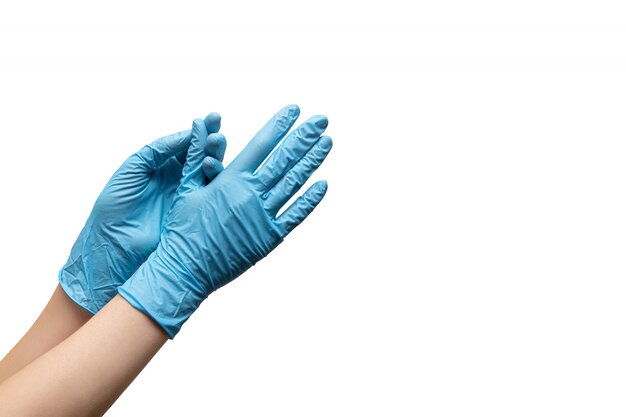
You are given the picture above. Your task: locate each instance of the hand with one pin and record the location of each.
(126, 221)
(215, 232)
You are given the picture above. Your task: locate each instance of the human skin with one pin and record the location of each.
(59, 319)
(66, 381)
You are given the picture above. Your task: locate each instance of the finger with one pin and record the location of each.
(211, 167)
(301, 208)
(213, 121)
(193, 177)
(291, 182)
(266, 140)
(291, 150)
(216, 146)
(151, 156)
(175, 145)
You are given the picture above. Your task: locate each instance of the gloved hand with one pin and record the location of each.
(126, 221)
(217, 231)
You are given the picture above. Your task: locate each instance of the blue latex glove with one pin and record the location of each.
(126, 221)
(217, 231)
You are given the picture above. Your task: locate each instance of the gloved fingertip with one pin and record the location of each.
(288, 113)
(321, 122)
(213, 122)
(293, 110)
(316, 193)
(216, 146)
(211, 167)
(215, 139)
(320, 189)
(285, 118)
(325, 143)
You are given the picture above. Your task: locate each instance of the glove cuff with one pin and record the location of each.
(157, 291)
(72, 285)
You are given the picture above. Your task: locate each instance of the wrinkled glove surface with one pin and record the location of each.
(125, 224)
(215, 232)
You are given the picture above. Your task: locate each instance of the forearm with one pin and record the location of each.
(85, 374)
(59, 319)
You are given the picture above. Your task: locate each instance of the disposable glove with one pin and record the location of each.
(215, 232)
(126, 221)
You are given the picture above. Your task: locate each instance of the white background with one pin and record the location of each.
(468, 258)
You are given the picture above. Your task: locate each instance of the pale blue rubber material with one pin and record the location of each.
(125, 224)
(215, 232)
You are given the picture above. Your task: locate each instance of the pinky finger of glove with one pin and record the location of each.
(211, 167)
(301, 208)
